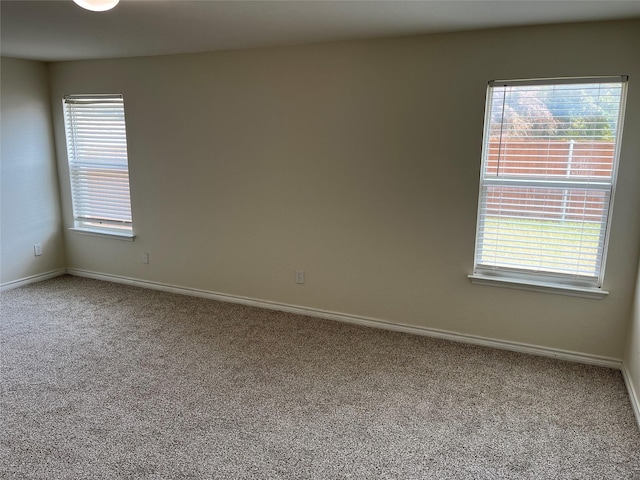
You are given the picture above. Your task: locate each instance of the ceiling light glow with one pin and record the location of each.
(97, 5)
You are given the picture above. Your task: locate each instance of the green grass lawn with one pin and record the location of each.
(557, 246)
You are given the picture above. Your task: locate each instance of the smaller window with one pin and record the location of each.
(98, 163)
(549, 164)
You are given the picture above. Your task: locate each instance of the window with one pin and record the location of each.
(549, 164)
(98, 163)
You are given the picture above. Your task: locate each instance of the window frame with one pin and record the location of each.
(94, 226)
(529, 278)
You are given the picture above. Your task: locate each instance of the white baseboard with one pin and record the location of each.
(32, 279)
(360, 320)
(633, 393)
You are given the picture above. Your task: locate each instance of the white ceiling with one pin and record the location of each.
(59, 30)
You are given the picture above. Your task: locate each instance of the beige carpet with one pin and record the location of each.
(106, 381)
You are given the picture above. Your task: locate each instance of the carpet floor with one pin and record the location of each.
(106, 381)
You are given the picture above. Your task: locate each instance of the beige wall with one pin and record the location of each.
(632, 356)
(357, 162)
(30, 207)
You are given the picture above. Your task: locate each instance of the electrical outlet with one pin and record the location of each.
(145, 257)
(37, 249)
(299, 276)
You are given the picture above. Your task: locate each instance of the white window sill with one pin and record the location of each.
(128, 237)
(545, 287)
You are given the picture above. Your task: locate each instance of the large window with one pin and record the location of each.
(549, 164)
(98, 163)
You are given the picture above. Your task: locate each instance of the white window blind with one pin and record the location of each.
(549, 164)
(98, 163)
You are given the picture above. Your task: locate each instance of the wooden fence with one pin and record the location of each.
(553, 160)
